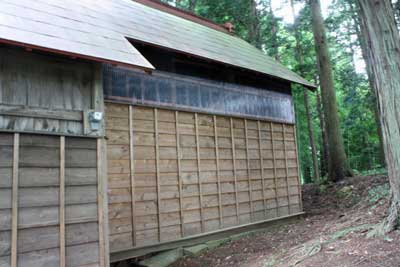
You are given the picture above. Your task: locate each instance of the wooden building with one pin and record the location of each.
(128, 127)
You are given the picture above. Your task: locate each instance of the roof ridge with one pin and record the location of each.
(157, 4)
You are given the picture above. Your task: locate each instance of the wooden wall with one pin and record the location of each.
(46, 94)
(51, 210)
(173, 174)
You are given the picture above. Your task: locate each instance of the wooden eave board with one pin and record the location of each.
(100, 29)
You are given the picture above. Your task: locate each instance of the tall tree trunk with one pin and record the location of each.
(254, 28)
(383, 39)
(300, 58)
(370, 74)
(192, 5)
(325, 150)
(337, 165)
(274, 32)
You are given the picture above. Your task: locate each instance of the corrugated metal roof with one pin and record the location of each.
(100, 29)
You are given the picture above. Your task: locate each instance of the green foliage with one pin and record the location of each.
(277, 39)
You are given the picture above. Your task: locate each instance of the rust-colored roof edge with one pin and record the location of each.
(72, 55)
(156, 4)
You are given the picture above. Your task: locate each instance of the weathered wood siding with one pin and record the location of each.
(173, 174)
(50, 194)
(46, 94)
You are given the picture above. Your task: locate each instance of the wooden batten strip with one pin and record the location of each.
(248, 170)
(196, 125)
(274, 168)
(221, 223)
(14, 218)
(156, 137)
(234, 170)
(178, 150)
(262, 167)
(132, 174)
(62, 201)
(100, 201)
(298, 169)
(286, 166)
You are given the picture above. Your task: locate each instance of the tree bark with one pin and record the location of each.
(324, 137)
(192, 5)
(382, 36)
(274, 32)
(370, 74)
(337, 164)
(254, 27)
(300, 58)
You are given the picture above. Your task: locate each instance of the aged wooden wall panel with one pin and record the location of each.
(28, 82)
(175, 174)
(49, 190)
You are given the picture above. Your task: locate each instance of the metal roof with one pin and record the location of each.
(100, 30)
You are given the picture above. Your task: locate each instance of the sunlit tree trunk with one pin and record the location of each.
(192, 5)
(300, 58)
(337, 164)
(358, 28)
(254, 28)
(382, 36)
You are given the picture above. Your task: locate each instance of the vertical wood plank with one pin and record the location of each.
(196, 126)
(98, 94)
(221, 223)
(14, 218)
(157, 171)
(298, 170)
(132, 173)
(286, 166)
(100, 205)
(262, 167)
(274, 167)
(102, 178)
(178, 150)
(248, 170)
(234, 170)
(62, 201)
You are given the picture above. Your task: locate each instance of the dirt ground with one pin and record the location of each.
(333, 233)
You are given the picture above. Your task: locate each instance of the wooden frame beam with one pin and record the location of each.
(196, 126)
(262, 167)
(62, 201)
(248, 171)
(132, 172)
(234, 170)
(221, 222)
(14, 211)
(178, 151)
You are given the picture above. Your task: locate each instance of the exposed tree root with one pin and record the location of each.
(390, 223)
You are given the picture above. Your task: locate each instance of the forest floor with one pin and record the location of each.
(333, 233)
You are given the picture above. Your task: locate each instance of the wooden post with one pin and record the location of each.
(221, 224)
(262, 167)
(157, 172)
(234, 170)
(132, 172)
(286, 166)
(100, 200)
(14, 218)
(62, 201)
(248, 171)
(274, 168)
(298, 170)
(199, 171)
(178, 151)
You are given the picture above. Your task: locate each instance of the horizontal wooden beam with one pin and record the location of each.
(201, 238)
(34, 112)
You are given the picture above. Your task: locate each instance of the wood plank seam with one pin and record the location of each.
(100, 197)
(14, 218)
(199, 171)
(262, 167)
(178, 150)
(62, 201)
(234, 170)
(248, 171)
(132, 173)
(221, 223)
(286, 166)
(274, 168)
(157, 172)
